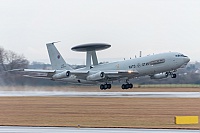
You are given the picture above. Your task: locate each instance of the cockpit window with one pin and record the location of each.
(180, 55)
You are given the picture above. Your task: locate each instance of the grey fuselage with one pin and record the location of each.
(147, 65)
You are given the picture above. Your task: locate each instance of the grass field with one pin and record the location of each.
(97, 112)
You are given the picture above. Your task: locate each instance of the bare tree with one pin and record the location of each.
(2, 59)
(11, 60)
(15, 61)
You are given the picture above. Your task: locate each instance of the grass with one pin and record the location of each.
(97, 112)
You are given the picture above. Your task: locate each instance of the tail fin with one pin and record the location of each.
(57, 61)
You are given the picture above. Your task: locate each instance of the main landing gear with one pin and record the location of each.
(108, 86)
(105, 86)
(127, 86)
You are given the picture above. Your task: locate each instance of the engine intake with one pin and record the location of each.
(61, 75)
(96, 76)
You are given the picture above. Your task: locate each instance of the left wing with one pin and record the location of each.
(85, 74)
(89, 75)
(103, 75)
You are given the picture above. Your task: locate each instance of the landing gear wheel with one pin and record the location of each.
(173, 75)
(127, 86)
(109, 86)
(102, 87)
(105, 86)
(123, 86)
(130, 86)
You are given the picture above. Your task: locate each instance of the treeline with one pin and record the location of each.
(10, 60)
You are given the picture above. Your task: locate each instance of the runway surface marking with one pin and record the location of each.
(102, 94)
(14, 129)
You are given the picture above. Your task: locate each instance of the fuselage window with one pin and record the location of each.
(180, 55)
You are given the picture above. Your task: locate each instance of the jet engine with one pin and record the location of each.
(61, 75)
(96, 76)
(159, 76)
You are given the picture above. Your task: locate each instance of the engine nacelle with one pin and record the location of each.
(61, 75)
(159, 76)
(96, 76)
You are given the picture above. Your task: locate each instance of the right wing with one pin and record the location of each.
(31, 70)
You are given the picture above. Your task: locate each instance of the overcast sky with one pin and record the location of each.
(130, 26)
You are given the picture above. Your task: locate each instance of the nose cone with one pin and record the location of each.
(186, 59)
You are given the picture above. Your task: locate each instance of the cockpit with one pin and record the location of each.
(180, 55)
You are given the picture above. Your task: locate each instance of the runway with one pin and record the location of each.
(102, 94)
(14, 129)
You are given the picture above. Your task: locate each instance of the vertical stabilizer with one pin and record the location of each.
(57, 61)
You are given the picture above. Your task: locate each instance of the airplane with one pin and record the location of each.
(156, 66)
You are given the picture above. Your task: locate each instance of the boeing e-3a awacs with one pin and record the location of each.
(156, 66)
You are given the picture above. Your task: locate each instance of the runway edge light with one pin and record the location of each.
(186, 119)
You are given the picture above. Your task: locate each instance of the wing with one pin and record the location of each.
(104, 75)
(100, 76)
(31, 70)
(35, 72)
(53, 74)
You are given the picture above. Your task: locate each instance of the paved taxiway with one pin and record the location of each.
(14, 129)
(103, 94)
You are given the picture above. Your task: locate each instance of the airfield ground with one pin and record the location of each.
(99, 112)
(155, 88)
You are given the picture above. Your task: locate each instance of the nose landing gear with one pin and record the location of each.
(173, 76)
